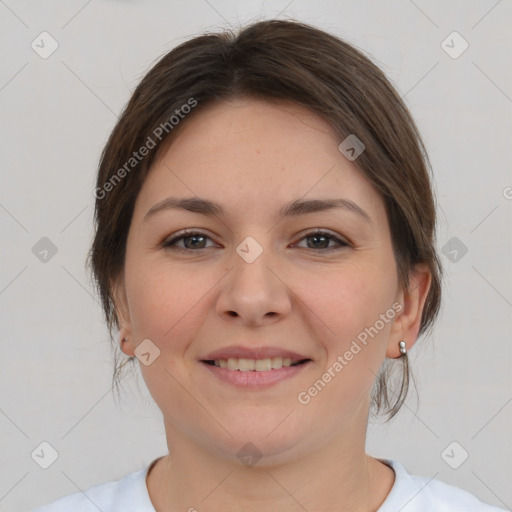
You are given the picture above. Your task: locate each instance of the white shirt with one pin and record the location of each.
(409, 494)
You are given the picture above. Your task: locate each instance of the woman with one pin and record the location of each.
(265, 247)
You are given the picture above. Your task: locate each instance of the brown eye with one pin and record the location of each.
(321, 240)
(191, 241)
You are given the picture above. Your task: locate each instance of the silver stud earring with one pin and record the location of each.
(403, 350)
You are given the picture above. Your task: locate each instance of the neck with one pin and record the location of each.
(337, 476)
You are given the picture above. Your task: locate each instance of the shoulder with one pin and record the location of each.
(412, 493)
(128, 493)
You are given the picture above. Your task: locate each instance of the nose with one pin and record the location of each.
(254, 293)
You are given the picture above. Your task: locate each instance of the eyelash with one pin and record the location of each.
(171, 243)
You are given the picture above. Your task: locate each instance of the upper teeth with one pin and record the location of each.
(259, 365)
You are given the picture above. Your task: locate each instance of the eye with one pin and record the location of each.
(322, 239)
(191, 240)
(196, 240)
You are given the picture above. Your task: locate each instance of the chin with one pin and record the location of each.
(271, 441)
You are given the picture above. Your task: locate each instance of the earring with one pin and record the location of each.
(403, 350)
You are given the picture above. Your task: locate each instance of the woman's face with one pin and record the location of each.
(255, 279)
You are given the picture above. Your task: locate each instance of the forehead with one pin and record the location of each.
(249, 122)
(249, 152)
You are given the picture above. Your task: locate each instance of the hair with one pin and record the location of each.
(275, 60)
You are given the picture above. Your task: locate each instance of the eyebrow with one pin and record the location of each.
(297, 207)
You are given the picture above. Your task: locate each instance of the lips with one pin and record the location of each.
(254, 368)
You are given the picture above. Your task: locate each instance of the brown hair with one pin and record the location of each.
(283, 61)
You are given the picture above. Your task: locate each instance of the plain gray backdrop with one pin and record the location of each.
(57, 111)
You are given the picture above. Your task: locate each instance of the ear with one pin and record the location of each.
(407, 323)
(122, 312)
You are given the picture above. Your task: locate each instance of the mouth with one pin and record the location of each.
(254, 374)
(255, 365)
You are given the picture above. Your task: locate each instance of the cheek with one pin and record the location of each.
(349, 302)
(169, 303)
(159, 298)
(354, 340)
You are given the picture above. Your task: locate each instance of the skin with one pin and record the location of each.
(253, 157)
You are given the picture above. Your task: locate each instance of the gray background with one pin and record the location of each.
(56, 114)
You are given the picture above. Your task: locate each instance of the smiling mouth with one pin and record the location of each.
(255, 365)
